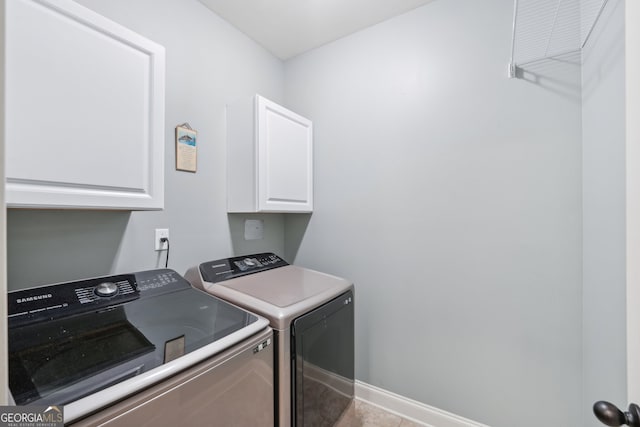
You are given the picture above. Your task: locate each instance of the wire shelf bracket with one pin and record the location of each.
(549, 29)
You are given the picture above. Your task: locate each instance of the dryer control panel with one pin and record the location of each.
(230, 268)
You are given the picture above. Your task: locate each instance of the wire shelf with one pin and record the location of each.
(547, 29)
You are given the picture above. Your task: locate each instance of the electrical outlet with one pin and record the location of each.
(160, 233)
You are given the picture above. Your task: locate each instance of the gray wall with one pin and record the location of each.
(604, 274)
(451, 196)
(209, 63)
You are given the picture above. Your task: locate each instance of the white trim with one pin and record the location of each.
(4, 369)
(632, 61)
(410, 409)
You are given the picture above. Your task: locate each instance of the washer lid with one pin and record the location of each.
(285, 286)
(67, 341)
(281, 294)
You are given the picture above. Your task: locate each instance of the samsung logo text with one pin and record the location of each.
(34, 298)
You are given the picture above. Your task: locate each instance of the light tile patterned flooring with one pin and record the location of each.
(361, 414)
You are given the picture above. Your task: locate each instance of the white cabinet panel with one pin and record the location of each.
(85, 110)
(270, 158)
(285, 162)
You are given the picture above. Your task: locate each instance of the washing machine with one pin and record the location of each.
(312, 315)
(143, 348)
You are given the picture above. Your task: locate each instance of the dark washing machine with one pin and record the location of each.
(312, 315)
(139, 348)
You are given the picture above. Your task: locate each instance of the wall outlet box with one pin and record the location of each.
(253, 229)
(160, 234)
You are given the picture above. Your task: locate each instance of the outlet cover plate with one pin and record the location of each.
(160, 233)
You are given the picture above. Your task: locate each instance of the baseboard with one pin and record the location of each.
(410, 409)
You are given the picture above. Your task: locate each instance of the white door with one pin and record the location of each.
(3, 241)
(609, 414)
(632, 55)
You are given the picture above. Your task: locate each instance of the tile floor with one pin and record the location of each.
(361, 414)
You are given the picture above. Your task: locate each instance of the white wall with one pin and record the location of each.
(209, 63)
(451, 196)
(3, 243)
(632, 126)
(604, 224)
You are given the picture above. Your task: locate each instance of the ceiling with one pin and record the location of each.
(289, 27)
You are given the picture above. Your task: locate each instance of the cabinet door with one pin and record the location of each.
(84, 110)
(285, 159)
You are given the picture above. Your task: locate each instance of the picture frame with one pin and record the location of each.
(186, 148)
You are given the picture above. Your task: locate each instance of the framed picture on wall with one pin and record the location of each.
(186, 148)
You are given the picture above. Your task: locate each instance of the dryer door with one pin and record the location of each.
(322, 374)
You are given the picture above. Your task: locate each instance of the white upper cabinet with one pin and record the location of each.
(270, 158)
(84, 110)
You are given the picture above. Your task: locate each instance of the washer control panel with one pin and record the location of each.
(65, 299)
(230, 268)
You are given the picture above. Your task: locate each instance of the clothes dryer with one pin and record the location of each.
(312, 315)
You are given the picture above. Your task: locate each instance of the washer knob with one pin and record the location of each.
(106, 289)
(249, 262)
